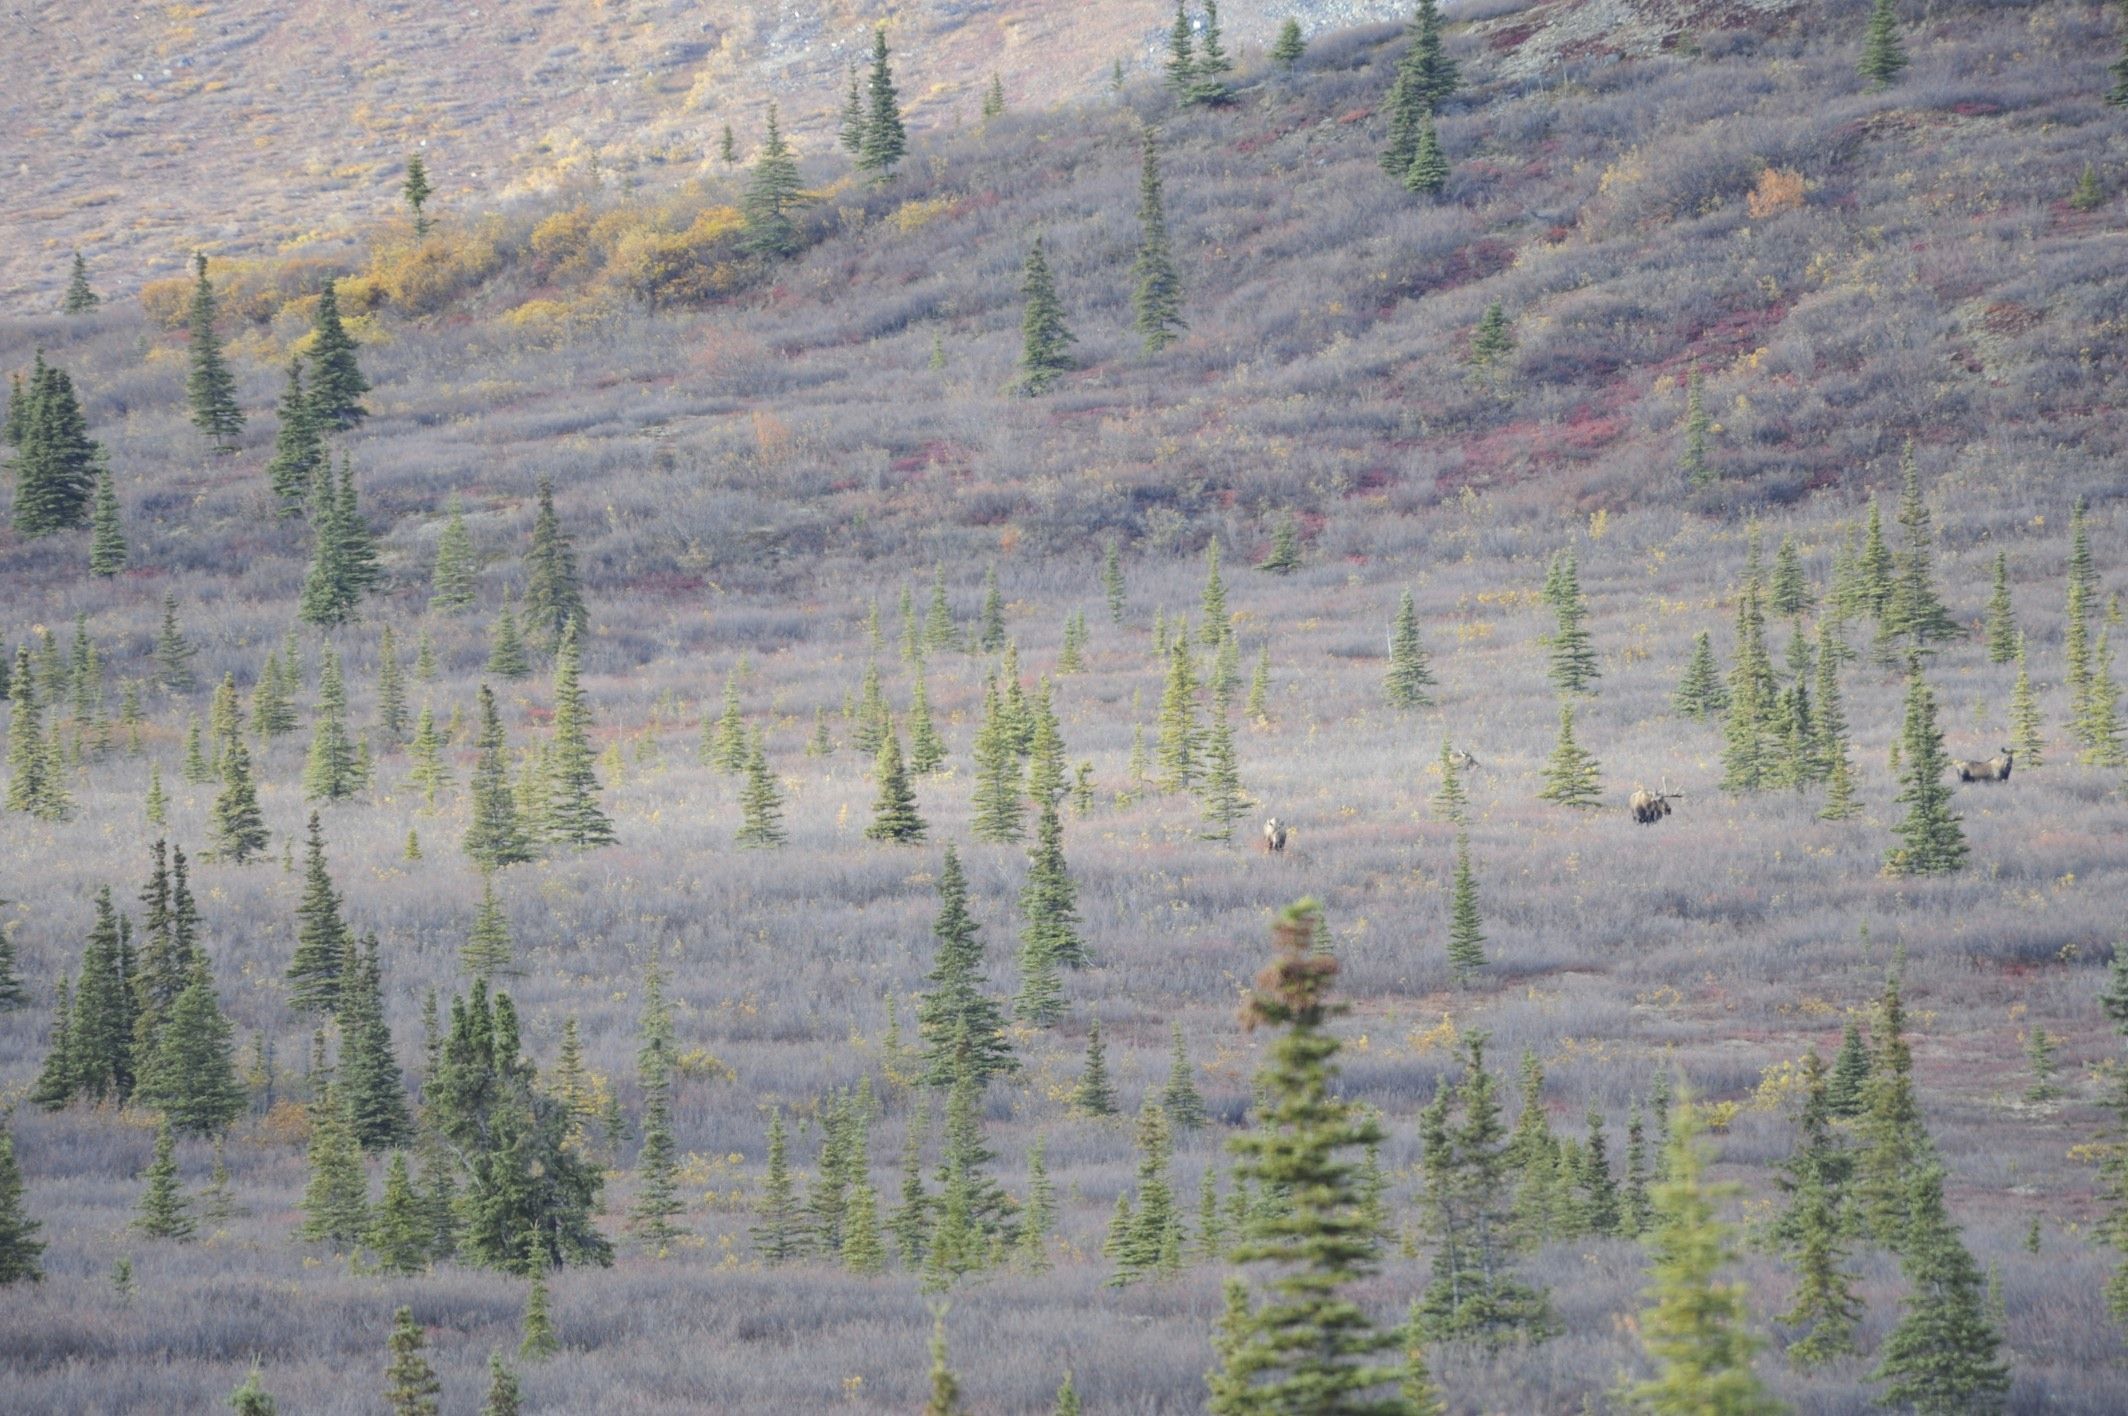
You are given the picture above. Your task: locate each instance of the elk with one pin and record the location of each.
(1274, 835)
(1650, 807)
(1462, 761)
(1995, 769)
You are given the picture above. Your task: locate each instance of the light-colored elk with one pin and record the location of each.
(1650, 807)
(1995, 769)
(1462, 761)
(1274, 835)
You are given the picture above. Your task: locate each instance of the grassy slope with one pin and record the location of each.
(742, 481)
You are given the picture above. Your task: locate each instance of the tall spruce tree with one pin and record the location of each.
(1883, 54)
(1573, 656)
(1571, 775)
(329, 768)
(574, 818)
(1045, 340)
(884, 140)
(554, 596)
(1913, 609)
(191, 1074)
(1931, 840)
(20, 1248)
(1943, 1358)
(79, 298)
(1308, 1345)
(451, 584)
(107, 533)
(495, 836)
(336, 382)
(657, 1202)
(299, 457)
(368, 1075)
(1156, 286)
(1094, 1095)
(209, 386)
(56, 461)
(956, 1003)
(894, 815)
(165, 1211)
(1410, 677)
(774, 193)
(238, 829)
(1694, 1326)
(411, 1385)
(417, 192)
(324, 947)
(760, 802)
(1466, 927)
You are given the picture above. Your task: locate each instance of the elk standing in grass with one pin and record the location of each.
(1274, 835)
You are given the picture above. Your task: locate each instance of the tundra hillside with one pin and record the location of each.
(678, 774)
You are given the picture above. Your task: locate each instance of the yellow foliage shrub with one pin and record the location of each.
(915, 215)
(421, 279)
(682, 267)
(1779, 190)
(252, 292)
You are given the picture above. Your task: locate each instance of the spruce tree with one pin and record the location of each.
(1747, 753)
(1913, 609)
(1095, 1094)
(994, 99)
(191, 1074)
(1180, 1098)
(1894, 1141)
(1846, 1091)
(20, 1248)
(1410, 677)
(1572, 663)
(164, 1211)
(398, 1232)
(31, 784)
(1830, 749)
(1700, 693)
(1883, 55)
(1943, 1357)
(79, 298)
(1493, 339)
(1694, 1325)
(657, 1201)
(173, 652)
(778, 1237)
(927, 750)
(1152, 1225)
(1156, 288)
(1181, 62)
(1181, 739)
(107, 533)
(760, 802)
(1571, 775)
(1049, 940)
(1287, 49)
(411, 1387)
(849, 125)
(238, 829)
(1790, 591)
(539, 1341)
(2099, 726)
(368, 1076)
(884, 140)
(252, 1399)
(299, 457)
(1223, 799)
(1932, 842)
(1466, 934)
(774, 192)
(210, 387)
(451, 584)
(956, 1003)
(554, 596)
(329, 768)
(494, 836)
(894, 816)
(101, 1039)
(486, 951)
(1045, 350)
(323, 945)
(944, 1396)
(54, 1086)
(1428, 173)
(999, 807)
(1307, 1345)
(2002, 620)
(1697, 470)
(1812, 1229)
(336, 382)
(574, 818)
(56, 462)
(504, 1398)
(417, 191)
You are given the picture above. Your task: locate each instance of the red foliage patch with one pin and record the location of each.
(669, 584)
(1357, 115)
(1977, 108)
(1500, 41)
